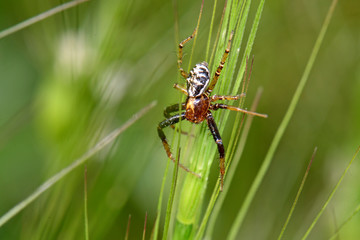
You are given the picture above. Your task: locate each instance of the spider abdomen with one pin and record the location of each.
(198, 80)
(197, 108)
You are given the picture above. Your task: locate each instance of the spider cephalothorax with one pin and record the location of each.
(199, 103)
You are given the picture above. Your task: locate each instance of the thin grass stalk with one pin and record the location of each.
(191, 197)
(158, 212)
(357, 209)
(244, 7)
(128, 228)
(210, 30)
(279, 133)
(330, 196)
(177, 130)
(144, 230)
(238, 23)
(171, 195)
(195, 38)
(235, 136)
(158, 217)
(86, 220)
(220, 39)
(250, 42)
(180, 232)
(78, 162)
(297, 195)
(176, 25)
(213, 210)
(217, 35)
(39, 17)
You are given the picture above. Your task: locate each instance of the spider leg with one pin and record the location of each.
(217, 106)
(171, 109)
(215, 132)
(168, 122)
(226, 97)
(221, 65)
(180, 88)
(181, 45)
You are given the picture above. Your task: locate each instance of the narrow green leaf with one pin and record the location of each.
(279, 133)
(65, 171)
(213, 209)
(161, 195)
(357, 210)
(171, 195)
(40, 17)
(330, 196)
(86, 220)
(297, 195)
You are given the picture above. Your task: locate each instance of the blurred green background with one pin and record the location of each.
(69, 80)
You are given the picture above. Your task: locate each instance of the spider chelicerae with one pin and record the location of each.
(199, 103)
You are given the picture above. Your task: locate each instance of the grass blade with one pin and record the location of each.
(144, 231)
(197, 27)
(280, 131)
(211, 29)
(250, 42)
(65, 171)
(330, 197)
(357, 209)
(297, 195)
(171, 196)
(213, 209)
(192, 195)
(128, 228)
(86, 206)
(158, 215)
(40, 17)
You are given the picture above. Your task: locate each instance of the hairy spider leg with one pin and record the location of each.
(171, 109)
(215, 98)
(181, 45)
(217, 106)
(180, 88)
(215, 132)
(221, 65)
(168, 122)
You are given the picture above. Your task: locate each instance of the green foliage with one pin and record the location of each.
(68, 79)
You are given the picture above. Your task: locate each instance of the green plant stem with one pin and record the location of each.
(217, 35)
(210, 30)
(213, 209)
(85, 206)
(158, 214)
(330, 196)
(297, 195)
(144, 231)
(357, 209)
(197, 27)
(171, 195)
(40, 17)
(192, 194)
(65, 171)
(128, 228)
(280, 132)
(251, 39)
(182, 229)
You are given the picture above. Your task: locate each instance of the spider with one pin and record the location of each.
(199, 103)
